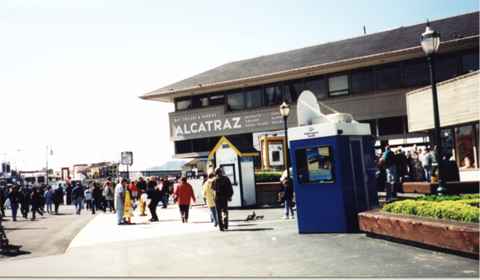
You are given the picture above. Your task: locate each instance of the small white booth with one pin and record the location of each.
(236, 160)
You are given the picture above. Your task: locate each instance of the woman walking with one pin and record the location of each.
(209, 196)
(183, 194)
(128, 209)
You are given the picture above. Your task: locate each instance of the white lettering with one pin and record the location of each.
(217, 125)
(193, 127)
(227, 125)
(209, 124)
(201, 128)
(185, 129)
(236, 123)
(178, 131)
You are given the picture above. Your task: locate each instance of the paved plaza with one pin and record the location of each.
(268, 247)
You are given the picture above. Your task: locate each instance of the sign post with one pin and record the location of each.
(126, 159)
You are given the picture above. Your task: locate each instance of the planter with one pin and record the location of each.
(450, 235)
(430, 188)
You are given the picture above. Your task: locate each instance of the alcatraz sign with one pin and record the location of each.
(214, 122)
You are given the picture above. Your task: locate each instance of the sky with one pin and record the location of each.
(71, 71)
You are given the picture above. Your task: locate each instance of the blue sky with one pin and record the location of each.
(71, 71)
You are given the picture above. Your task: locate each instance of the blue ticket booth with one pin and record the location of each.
(333, 173)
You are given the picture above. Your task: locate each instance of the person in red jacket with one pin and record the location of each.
(183, 195)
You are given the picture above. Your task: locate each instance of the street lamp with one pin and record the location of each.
(430, 42)
(284, 111)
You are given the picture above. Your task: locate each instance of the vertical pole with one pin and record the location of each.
(436, 120)
(287, 158)
(46, 170)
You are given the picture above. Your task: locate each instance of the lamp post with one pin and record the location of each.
(284, 111)
(430, 42)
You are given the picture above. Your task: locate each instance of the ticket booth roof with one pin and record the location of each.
(238, 144)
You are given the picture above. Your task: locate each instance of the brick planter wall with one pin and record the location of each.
(430, 188)
(456, 236)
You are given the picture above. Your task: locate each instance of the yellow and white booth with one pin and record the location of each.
(236, 158)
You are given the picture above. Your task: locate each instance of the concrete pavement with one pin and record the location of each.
(268, 247)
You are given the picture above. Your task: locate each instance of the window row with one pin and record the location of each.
(410, 73)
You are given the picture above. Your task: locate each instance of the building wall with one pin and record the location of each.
(458, 102)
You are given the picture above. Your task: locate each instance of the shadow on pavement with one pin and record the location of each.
(11, 254)
(24, 228)
(250, 229)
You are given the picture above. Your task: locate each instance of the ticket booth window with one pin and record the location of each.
(315, 165)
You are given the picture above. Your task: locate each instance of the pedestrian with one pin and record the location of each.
(133, 190)
(427, 159)
(14, 198)
(223, 194)
(143, 202)
(154, 197)
(120, 200)
(88, 197)
(58, 198)
(97, 198)
(48, 196)
(166, 191)
(141, 184)
(209, 196)
(36, 201)
(184, 195)
(68, 190)
(3, 199)
(78, 195)
(24, 196)
(389, 163)
(287, 191)
(128, 206)
(108, 196)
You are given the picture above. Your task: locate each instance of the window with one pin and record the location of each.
(229, 171)
(338, 85)
(390, 126)
(183, 104)
(253, 98)
(318, 86)
(273, 95)
(446, 137)
(373, 126)
(199, 101)
(200, 145)
(235, 101)
(183, 147)
(292, 90)
(217, 99)
(469, 62)
(416, 73)
(362, 81)
(465, 146)
(387, 77)
(315, 165)
(447, 67)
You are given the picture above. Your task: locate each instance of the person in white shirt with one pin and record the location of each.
(120, 200)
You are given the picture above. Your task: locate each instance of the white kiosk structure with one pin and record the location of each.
(236, 160)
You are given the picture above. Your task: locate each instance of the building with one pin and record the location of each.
(459, 107)
(367, 76)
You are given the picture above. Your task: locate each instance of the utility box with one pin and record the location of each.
(236, 158)
(333, 170)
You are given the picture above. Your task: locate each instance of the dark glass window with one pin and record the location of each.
(338, 85)
(469, 62)
(236, 101)
(199, 101)
(292, 90)
(273, 95)
(200, 145)
(416, 73)
(447, 67)
(253, 98)
(447, 142)
(465, 146)
(318, 86)
(182, 147)
(387, 77)
(373, 126)
(183, 104)
(212, 141)
(362, 81)
(389, 126)
(217, 99)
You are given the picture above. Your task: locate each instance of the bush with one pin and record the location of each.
(459, 208)
(270, 176)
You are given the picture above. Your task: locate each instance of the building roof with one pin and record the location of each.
(171, 165)
(238, 143)
(452, 28)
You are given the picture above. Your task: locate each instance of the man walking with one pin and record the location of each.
(14, 198)
(223, 194)
(77, 197)
(154, 196)
(183, 194)
(388, 159)
(108, 196)
(120, 189)
(36, 203)
(58, 198)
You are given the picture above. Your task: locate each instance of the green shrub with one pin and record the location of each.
(270, 176)
(459, 208)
